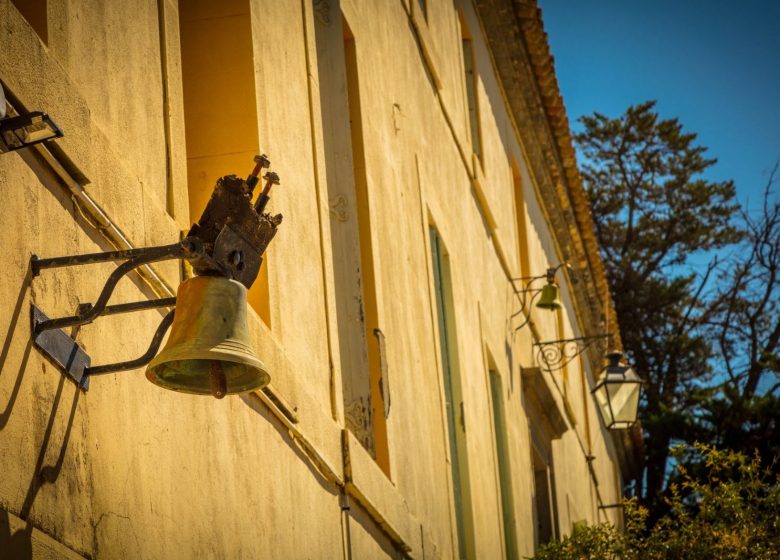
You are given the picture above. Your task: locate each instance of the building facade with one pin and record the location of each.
(426, 169)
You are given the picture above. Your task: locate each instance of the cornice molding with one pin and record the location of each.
(521, 55)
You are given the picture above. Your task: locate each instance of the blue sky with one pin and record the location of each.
(713, 64)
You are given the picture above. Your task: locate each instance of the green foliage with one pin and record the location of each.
(643, 177)
(728, 509)
(596, 542)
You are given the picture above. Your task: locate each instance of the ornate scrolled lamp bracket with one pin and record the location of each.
(618, 388)
(554, 355)
(617, 391)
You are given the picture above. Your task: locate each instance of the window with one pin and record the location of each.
(545, 513)
(522, 226)
(469, 68)
(350, 224)
(585, 398)
(34, 11)
(546, 423)
(220, 109)
(504, 464)
(560, 332)
(423, 8)
(456, 426)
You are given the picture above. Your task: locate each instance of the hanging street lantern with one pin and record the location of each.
(617, 393)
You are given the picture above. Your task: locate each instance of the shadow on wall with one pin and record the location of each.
(13, 324)
(19, 543)
(256, 404)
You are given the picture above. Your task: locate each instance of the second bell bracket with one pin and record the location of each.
(48, 334)
(526, 304)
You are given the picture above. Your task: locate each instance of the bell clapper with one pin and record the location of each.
(217, 380)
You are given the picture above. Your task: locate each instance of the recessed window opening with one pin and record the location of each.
(423, 8)
(371, 321)
(453, 392)
(522, 225)
(560, 331)
(470, 77)
(350, 225)
(545, 509)
(220, 111)
(504, 462)
(36, 14)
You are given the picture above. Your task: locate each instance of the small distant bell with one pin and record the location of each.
(549, 298)
(209, 351)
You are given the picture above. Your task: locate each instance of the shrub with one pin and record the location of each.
(722, 505)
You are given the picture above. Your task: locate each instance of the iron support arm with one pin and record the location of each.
(187, 248)
(141, 361)
(63, 350)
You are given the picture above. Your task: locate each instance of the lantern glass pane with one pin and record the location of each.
(624, 401)
(603, 402)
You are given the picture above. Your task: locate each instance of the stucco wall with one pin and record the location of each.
(129, 470)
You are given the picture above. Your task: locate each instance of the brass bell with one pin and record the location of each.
(209, 351)
(549, 299)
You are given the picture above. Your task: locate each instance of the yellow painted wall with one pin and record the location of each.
(129, 470)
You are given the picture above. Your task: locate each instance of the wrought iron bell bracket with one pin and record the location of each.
(64, 351)
(228, 240)
(527, 304)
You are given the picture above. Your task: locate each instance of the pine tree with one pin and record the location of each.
(655, 216)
